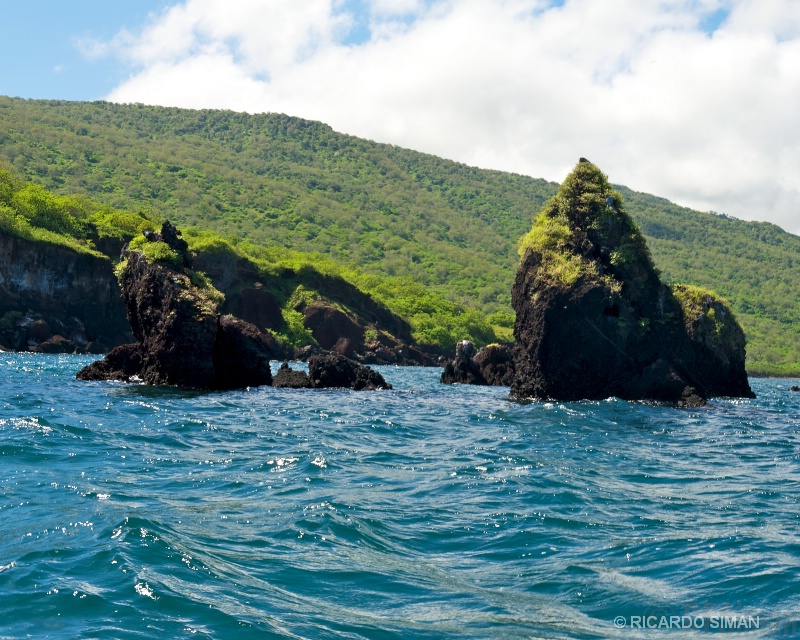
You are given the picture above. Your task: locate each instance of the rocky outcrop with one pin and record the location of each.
(255, 305)
(241, 355)
(594, 321)
(57, 344)
(496, 363)
(123, 364)
(492, 365)
(182, 338)
(462, 369)
(48, 291)
(330, 325)
(288, 378)
(385, 349)
(338, 315)
(331, 371)
(340, 332)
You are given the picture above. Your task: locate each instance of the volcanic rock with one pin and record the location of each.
(493, 365)
(462, 369)
(122, 363)
(182, 338)
(496, 364)
(329, 325)
(57, 344)
(290, 379)
(48, 289)
(38, 331)
(593, 319)
(255, 305)
(241, 355)
(333, 370)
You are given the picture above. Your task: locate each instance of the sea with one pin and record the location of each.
(429, 511)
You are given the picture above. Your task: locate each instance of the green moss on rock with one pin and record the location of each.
(584, 230)
(593, 319)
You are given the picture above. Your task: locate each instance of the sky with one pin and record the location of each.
(696, 101)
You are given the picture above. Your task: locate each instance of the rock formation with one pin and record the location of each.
(288, 378)
(338, 315)
(462, 369)
(331, 371)
(593, 319)
(492, 365)
(182, 338)
(496, 362)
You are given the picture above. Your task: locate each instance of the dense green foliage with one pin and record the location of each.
(29, 211)
(159, 252)
(285, 182)
(278, 181)
(584, 230)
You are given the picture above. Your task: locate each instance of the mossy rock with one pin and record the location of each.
(593, 319)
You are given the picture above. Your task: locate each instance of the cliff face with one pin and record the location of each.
(594, 321)
(74, 294)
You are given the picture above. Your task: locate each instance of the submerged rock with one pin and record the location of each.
(593, 319)
(330, 370)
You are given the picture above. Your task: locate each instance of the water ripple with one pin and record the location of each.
(428, 511)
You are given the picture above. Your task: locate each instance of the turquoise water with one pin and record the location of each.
(430, 511)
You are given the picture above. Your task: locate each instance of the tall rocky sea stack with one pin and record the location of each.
(593, 319)
(182, 339)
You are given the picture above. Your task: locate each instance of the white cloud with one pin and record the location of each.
(394, 7)
(637, 86)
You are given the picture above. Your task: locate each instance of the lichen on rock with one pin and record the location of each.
(593, 319)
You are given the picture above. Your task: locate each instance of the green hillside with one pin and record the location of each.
(285, 182)
(30, 212)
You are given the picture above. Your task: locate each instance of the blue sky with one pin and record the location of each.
(39, 46)
(693, 100)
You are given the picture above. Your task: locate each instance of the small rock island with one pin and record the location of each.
(183, 339)
(593, 319)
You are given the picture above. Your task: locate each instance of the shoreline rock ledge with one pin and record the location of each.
(593, 320)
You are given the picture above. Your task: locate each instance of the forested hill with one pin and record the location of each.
(278, 180)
